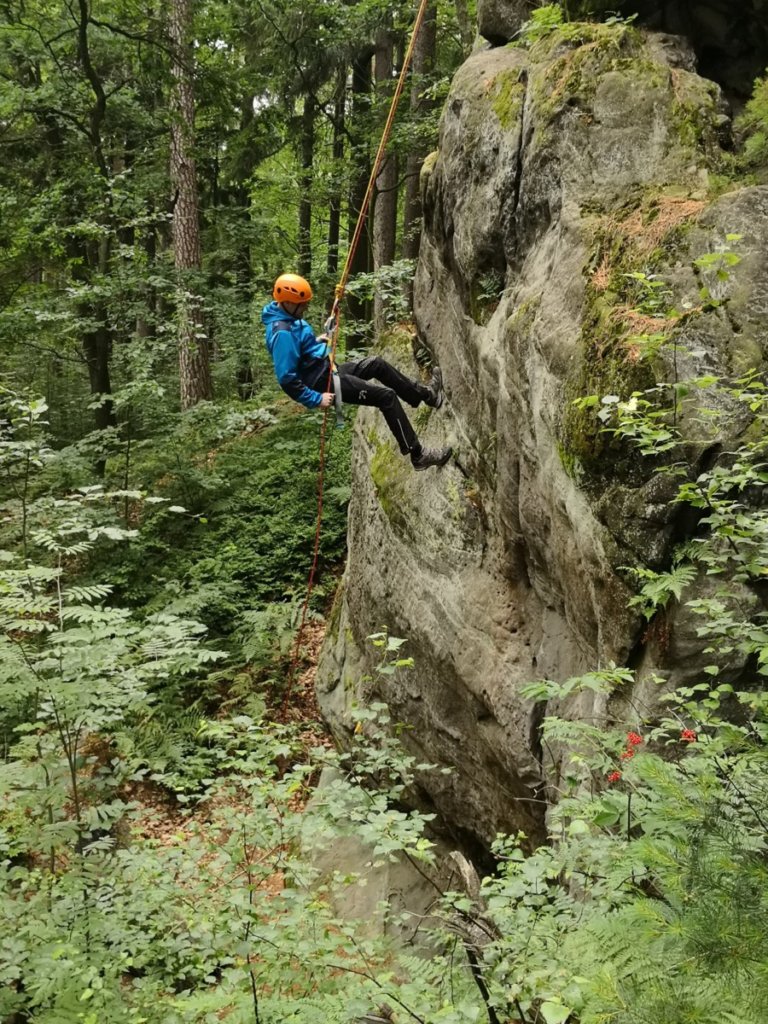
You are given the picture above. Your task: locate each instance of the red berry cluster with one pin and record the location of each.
(633, 742)
(688, 735)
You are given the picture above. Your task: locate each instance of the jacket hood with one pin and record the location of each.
(274, 312)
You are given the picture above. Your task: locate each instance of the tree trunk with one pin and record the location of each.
(466, 27)
(194, 360)
(145, 320)
(97, 340)
(305, 202)
(385, 212)
(334, 216)
(423, 63)
(97, 344)
(360, 309)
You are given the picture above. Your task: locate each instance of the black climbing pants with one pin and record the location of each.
(356, 389)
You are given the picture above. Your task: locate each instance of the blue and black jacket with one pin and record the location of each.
(300, 359)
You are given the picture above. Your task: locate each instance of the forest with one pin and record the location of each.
(168, 788)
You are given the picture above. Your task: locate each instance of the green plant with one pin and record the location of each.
(650, 294)
(543, 21)
(714, 270)
(389, 284)
(753, 123)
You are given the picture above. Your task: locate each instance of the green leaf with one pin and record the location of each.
(554, 1013)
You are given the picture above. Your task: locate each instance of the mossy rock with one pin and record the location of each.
(389, 474)
(645, 233)
(334, 618)
(520, 321)
(427, 167)
(586, 449)
(576, 56)
(507, 95)
(696, 117)
(398, 340)
(422, 417)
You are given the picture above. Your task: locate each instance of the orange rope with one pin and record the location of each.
(336, 313)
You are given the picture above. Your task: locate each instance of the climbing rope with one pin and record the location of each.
(335, 315)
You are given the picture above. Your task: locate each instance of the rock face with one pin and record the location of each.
(730, 40)
(560, 171)
(498, 21)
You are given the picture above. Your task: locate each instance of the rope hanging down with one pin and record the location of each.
(336, 315)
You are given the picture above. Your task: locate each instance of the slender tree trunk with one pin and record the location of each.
(241, 194)
(97, 345)
(244, 276)
(194, 359)
(145, 326)
(305, 202)
(97, 341)
(385, 213)
(423, 63)
(361, 102)
(334, 218)
(466, 26)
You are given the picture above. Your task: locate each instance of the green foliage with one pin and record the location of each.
(486, 292)
(542, 22)
(110, 912)
(714, 271)
(658, 587)
(389, 283)
(648, 905)
(650, 899)
(753, 123)
(103, 923)
(250, 480)
(652, 294)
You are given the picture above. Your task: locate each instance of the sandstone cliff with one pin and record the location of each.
(560, 171)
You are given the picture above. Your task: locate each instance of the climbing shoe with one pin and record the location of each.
(431, 457)
(436, 393)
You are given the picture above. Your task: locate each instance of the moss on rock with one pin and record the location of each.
(696, 117)
(507, 97)
(575, 57)
(605, 369)
(388, 472)
(334, 617)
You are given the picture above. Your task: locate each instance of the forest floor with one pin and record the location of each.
(164, 821)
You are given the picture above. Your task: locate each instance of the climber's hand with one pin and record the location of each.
(327, 400)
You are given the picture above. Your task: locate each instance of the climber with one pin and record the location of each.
(302, 367)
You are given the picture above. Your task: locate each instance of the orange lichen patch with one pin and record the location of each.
(647, 228)
(641, 323)
(641, 232)
(602, 276)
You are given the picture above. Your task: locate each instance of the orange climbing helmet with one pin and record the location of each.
(291, 288)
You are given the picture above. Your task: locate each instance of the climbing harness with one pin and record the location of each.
(335, 316)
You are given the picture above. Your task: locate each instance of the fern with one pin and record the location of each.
(659, 587)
